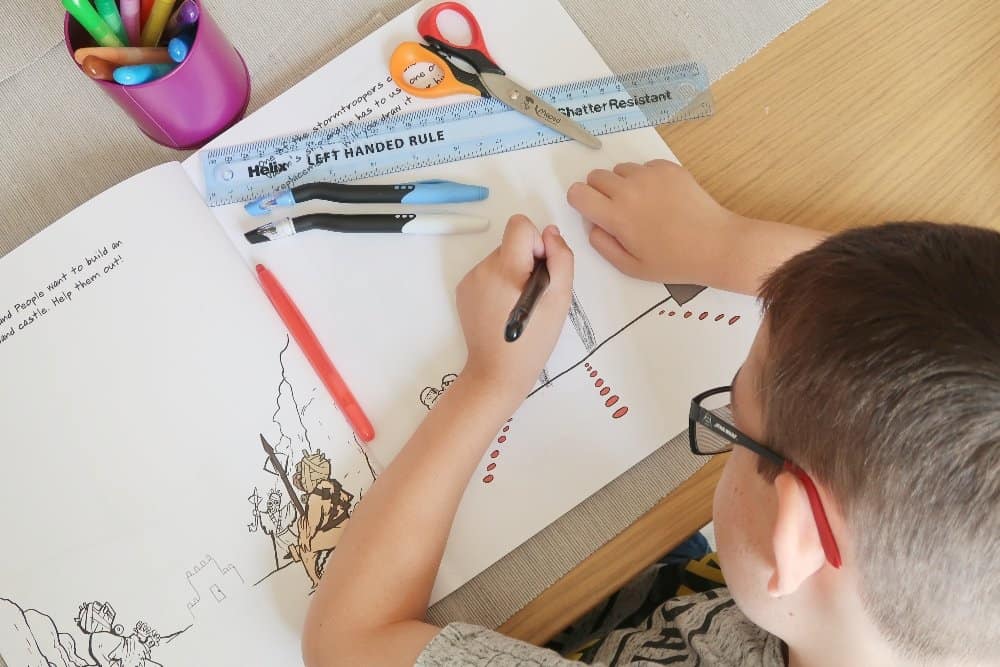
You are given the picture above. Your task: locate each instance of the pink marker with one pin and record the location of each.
(130, 17)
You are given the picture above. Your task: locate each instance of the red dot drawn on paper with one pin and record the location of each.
(603, 390)
(704, 315)
(501, 439)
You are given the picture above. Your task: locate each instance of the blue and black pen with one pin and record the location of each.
(420, 192)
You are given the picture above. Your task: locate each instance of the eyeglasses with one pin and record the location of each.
(711, 431)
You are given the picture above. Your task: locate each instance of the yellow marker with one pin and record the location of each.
(158, 15)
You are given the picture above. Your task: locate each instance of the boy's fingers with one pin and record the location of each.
(520, 245)
(625, 169)
(611, 250)
(605, 182)
(591, 204)
(660, 162)
(558, 258)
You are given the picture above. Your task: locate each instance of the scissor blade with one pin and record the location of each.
(521, 98)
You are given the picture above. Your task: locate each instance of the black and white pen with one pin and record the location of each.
(385, 223)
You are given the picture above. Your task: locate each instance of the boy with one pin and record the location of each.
(858, 519)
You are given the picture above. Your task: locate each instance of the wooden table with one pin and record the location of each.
(864, 112)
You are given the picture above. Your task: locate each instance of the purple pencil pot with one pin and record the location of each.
(202, 96)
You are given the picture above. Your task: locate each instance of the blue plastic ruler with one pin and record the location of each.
(460, 131)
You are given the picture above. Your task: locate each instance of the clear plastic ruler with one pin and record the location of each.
(462, 131)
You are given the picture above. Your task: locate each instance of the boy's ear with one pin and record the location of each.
(798, 552)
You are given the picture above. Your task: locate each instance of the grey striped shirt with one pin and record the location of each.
(705, 629)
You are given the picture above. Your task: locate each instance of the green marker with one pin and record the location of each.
(87, 17)
(108, 10)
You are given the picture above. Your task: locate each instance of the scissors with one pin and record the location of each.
(489, 80)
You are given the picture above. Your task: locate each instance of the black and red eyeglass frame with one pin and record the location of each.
(708, 419)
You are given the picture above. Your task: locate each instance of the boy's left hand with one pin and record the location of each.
(487, 294)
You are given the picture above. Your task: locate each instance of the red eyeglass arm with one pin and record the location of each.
(822, 523)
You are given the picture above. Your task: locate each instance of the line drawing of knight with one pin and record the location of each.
(326, 509)
(276, 520)
(109, 645)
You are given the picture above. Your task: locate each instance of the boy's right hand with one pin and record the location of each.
(488, 293)
(653, 221)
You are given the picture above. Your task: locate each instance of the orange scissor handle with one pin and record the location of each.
(408, 54)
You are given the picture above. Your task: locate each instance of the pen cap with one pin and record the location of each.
(197, 100)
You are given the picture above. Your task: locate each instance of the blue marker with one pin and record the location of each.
(133, 75)
(421, 192)
(180, 46)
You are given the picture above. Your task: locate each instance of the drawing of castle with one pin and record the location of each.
(212, 585)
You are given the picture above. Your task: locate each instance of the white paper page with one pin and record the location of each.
(384, 305)
(141, 362)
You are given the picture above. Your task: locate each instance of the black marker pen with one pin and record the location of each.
(518, 318)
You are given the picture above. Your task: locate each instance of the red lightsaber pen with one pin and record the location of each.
(304, 336)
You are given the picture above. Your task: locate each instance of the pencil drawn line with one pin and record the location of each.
(170, 638)
(599, 346)
(581, 322)
(273, 572)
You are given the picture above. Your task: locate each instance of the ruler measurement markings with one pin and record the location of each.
(475, 128)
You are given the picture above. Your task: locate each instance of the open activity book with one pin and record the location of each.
(141, 362)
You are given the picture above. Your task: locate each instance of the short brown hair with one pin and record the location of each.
(883, 382)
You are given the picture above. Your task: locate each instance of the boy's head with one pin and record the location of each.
(877, 371)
